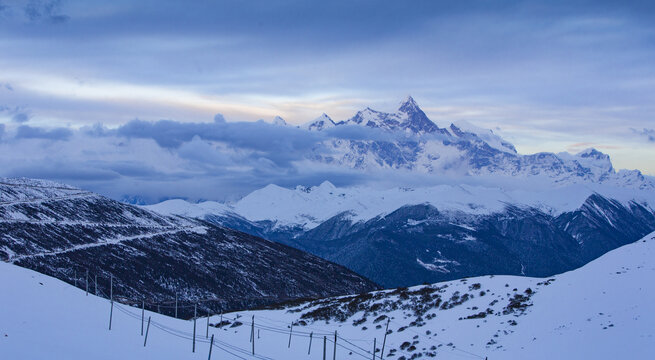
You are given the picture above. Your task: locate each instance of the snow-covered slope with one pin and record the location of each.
(601, 311)
(308, 207)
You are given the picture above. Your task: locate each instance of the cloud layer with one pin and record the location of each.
(152, 161)
(546, 75)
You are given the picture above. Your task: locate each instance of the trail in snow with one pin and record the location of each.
(54, 198)
(114, 241)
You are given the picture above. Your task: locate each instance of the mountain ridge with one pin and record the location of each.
(63, 231)
(415, 143)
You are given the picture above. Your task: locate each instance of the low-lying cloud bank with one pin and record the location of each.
(145, 161)
(150, 161)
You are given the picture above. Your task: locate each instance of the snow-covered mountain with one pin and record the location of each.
(493, 211)
(308, 207)
(64, 231)
(415, 143)
(402, 236)
(320, 123)
(603, 310)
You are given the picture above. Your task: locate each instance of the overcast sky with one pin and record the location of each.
(547, 76)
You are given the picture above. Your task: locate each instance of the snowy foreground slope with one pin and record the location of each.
(603, 310)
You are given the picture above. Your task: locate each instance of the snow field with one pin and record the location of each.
(603, 310)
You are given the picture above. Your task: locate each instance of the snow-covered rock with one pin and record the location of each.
(279, 121)
(320, 123)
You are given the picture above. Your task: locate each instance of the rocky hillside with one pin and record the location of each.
(64, 231)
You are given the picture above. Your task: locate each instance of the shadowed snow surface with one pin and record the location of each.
(603, 310)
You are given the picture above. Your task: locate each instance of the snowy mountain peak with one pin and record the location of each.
(415, 143)
(320, 123)
(593, 153)
(279, 121)
(467, 131)
(409, 117)
(415, 120)
(408, 105)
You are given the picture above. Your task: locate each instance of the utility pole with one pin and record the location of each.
(211, 345)
(111, 299)
(311, 334)
(385, 338)
(147, 330)
(252, 334)
(195, 313)
(374, 340)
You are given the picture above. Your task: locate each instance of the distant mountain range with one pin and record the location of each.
(506, 213)
(533, 215)
(64, 231)
(402, 237)
(413, 142)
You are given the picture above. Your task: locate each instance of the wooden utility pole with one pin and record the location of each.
(147, 330)
(385, 338)
(374, 345)
(311, 334)
(111, 299)
(195, 312)
(252, 334)
(207, 332)
(324, 345)
(211, 345)
(290, 331)
(334, 355)
(111, 314)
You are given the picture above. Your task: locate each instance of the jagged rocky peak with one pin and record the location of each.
(414, 119)
(408, 105)
(320, 123)
(278, 120)
(593, 154)
(409, 117)
(593, 159)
